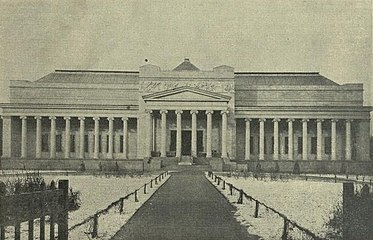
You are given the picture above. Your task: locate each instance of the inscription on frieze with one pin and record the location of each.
(157, 86)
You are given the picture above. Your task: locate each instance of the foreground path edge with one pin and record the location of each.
(187, 206)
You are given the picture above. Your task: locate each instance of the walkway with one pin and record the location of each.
(187, 206)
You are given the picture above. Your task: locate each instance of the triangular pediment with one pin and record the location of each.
(186, 94)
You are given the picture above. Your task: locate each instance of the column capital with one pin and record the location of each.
(148, 111)
(276, 120)
(193, 111)
(305, 120)
(6, 117)
(163, 111)
(224, 112)
(124, 119)
(110, 118)
(178, 111)
(334, 120)
(23, 117)
(248, 119)
(67, 118)
(81, 118)
(209, 112)
(96, 118)
(290, 120)
(262, 119)
(37, 117)
(52, 118)
(319, 120)
(349, 120)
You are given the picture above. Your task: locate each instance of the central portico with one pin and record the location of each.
(185, 112)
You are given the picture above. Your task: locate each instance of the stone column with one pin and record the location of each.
(96, 147)
(67, 136)
(247, 138)
(334, 139)
(111, 137)
(178, 132)
(224, 126)
(53, 137)
(261, 138)
(319, 139)
(348, 139)
(149, 141)
(125, 137)
(194, 132)
(38, 137)
(81, 137)
(275, 139)
(24, 137)
(291, 138)
(304, 139)
(209, 133)
(164, 132)
(7, 136)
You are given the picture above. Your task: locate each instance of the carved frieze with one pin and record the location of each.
(211, 86)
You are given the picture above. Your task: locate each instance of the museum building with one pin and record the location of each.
(221, 116)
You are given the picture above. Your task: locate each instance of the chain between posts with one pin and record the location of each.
(242, 194)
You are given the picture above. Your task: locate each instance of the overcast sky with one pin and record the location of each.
(332, 37)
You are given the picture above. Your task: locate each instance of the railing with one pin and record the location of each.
(94, 219)
(288, 224)
(26, 207)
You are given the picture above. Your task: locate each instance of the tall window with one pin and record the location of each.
(300, 145)
(251, 145)
(107, 143)
(265, 145)
(313, 145)
(86, 144)
(328, 145)
(99, 143)
(121, 144)
(273, 145)
(286, 145)
(45, 142)
(72, 143)
(58, 143)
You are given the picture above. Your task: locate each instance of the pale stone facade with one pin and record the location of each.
(117, 116)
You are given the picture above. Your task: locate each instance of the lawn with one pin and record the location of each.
(308, 203)
(96, 193)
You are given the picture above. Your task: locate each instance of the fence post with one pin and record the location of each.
(145, 188)
(121, 205)
(348, 211)
(256, 214)
(223, 184)
(136, 199)
(218, 181)
(151, 183)
(63, 218)
(2, 212)
(240, 198)
(95, 226)
(42, 218)
(230, 189)
(51, 229)
(155, 181)
(285, 230)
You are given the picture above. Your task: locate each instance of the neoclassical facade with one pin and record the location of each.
(118, 116)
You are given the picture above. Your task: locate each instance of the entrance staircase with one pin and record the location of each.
(186, 161)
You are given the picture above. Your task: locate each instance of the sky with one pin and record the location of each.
(332, 37)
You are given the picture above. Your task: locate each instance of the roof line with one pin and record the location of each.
(93, 71)
(305, 73)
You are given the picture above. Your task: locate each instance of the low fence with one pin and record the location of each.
(288, 224)
(26, 207)
(94, 219)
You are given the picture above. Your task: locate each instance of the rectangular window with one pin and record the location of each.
(286, 145)
(251, 145)
(300, 145)
(58, 143)
(99, 143)
(45, 142)
(86, 144)
(72, 143)
(121, 143)
(273, 145)
(173, 141)
(265, 145)
(107, 143)
(313, 145)
(328, 145)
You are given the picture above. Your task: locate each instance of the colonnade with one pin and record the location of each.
(209, 113)
(290, 122)
(82, 133)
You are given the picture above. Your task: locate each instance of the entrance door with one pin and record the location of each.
(186, 137)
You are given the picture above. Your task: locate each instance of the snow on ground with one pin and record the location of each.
(308, 203)
(96, 193)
